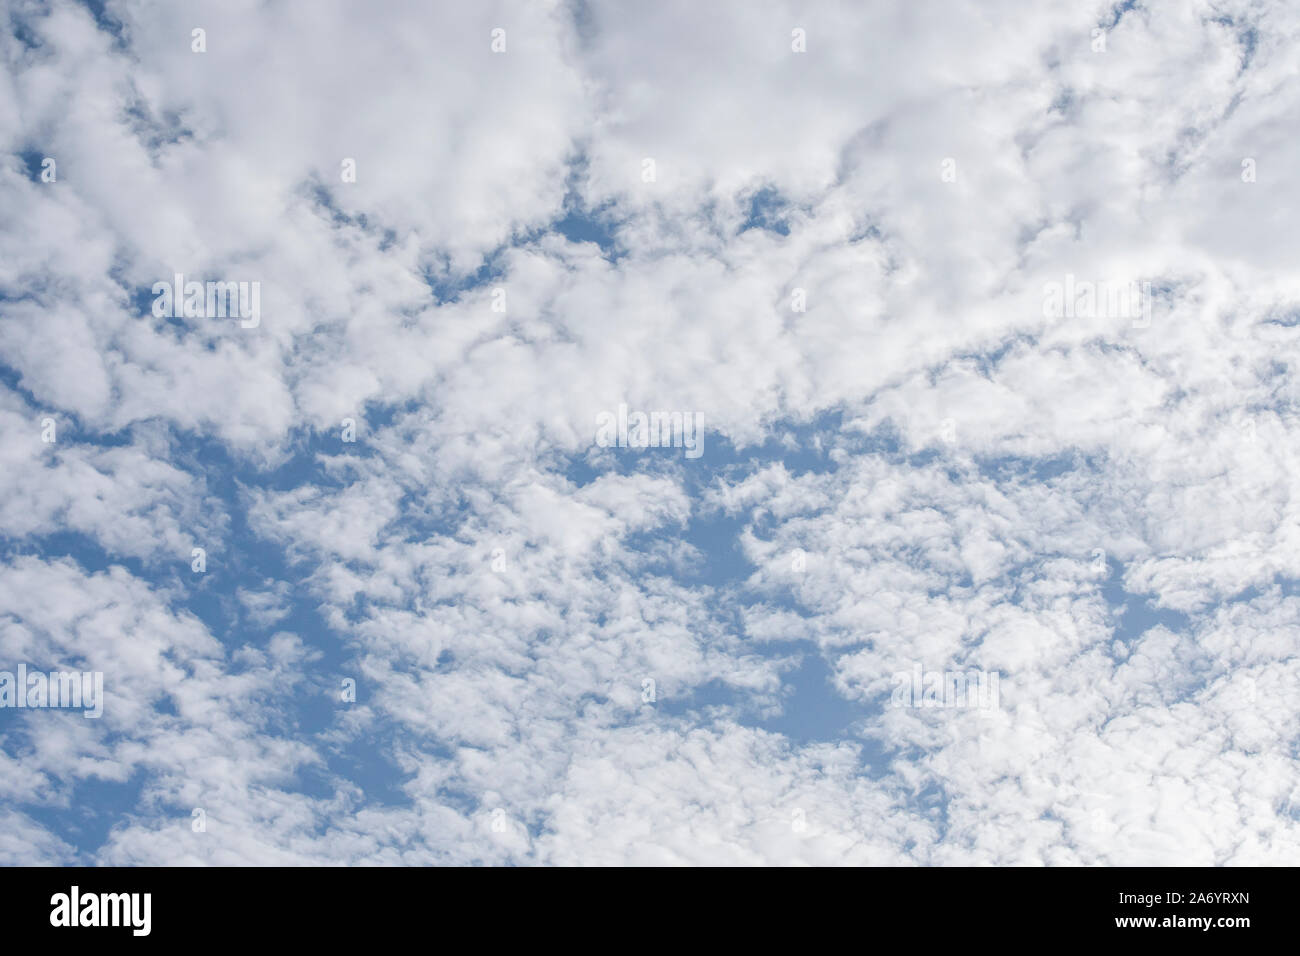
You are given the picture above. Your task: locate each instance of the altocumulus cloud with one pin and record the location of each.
(366, 585)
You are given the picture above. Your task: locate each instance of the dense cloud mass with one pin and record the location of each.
(987, 550)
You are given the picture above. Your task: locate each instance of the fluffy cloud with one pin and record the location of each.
(844, 238)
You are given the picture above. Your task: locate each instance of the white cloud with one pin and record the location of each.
(499, 589)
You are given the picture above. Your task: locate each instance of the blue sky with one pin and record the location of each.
(835, 252)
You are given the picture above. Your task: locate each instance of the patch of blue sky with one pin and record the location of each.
(768, 210)
(32, 160)
(580, 223)
(86, 814)
(106, 21)
(449, 286)
(1136, 614)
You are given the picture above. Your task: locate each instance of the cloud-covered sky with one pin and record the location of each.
(988, 316)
